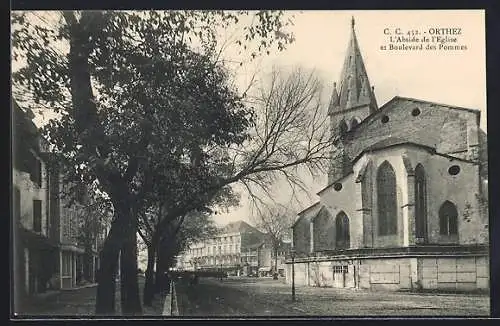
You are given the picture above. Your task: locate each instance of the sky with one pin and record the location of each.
(451, 77)
(454, 77)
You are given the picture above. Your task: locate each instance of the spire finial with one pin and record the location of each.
(352, 21)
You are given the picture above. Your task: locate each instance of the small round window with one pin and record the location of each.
(415, 112)
(454, 170)
(337, 186)
(385, 119)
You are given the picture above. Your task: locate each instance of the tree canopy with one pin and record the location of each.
(148, 114)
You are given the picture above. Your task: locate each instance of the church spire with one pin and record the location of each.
(355, 89)
(334, 100)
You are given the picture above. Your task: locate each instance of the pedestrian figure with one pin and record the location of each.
(192, 278)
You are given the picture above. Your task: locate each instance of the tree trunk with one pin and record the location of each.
(87, 266)
(105, 298)
(131, 302)
(122, 237)
(88, 257)
(165, 252)
(162, 281)
(275, 275)
(149, 284)
(85, 115)
(123, 287)
(158, 274)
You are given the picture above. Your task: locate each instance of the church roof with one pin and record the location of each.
(300, 214)
(308, 208)
(393, 141)
(319, 213)
(355, 89)
(345, 175)
(388, 142)
(395, 99)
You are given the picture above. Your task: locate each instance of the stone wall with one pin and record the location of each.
(451, 273)
(355, 195)
(385, 274)
(462, 189)
(446, 129)
(344, 200)
(302, 230)
(323, 230)
(407, 273)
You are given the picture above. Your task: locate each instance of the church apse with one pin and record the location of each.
(405, 192)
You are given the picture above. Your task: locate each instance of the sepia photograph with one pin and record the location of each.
(206, 164)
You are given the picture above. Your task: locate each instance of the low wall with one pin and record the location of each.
(407, 273)
(454, 273)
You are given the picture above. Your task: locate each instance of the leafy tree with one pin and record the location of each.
(133, 98)
(93, 223)
(188, 228)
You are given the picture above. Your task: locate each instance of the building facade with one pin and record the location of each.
(406, 202)
(267, 262)
(234, 249)
(47, 251)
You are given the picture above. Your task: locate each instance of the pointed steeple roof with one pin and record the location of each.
(334, 101)
(355, 89)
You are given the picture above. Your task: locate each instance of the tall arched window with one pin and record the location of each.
(420, 203)
(323, 231)
(387, 200)
(448, 219)
(342, 237)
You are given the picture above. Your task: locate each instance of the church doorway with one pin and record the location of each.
(339, 276)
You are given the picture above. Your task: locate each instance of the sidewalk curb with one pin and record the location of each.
(171, 298)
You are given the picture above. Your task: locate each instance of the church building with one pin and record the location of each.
(406, 205)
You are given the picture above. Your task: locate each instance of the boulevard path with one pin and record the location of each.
(264, 297)
(267, 297)
(78, 303)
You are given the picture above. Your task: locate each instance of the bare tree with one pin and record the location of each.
(291, 131)
(276, 222)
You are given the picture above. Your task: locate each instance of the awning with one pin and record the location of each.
(72, 248)
(265, 269)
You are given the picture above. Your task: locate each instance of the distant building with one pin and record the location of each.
(266, 256)
(234, 250)
(406, 202)
(47, 251)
